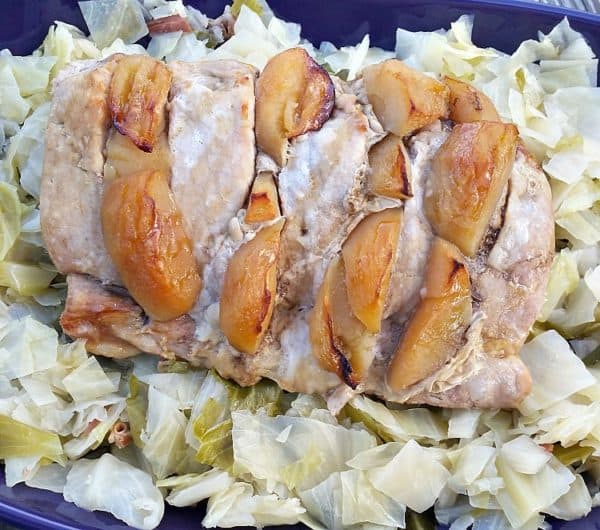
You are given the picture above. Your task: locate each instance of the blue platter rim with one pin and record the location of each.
(43, 510)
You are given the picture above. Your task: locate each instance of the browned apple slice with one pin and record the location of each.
(436, 330)
(467, 104)
(144, 235)
(340, 342)
(368, 257)
(263, 203)
(137, 96)
(124, 158)
(390, 168)
(294, 95)
(468, 174)
(249, 289)
(404, 99)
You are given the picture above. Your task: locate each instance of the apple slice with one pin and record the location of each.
(340, 342)
(249, 289)
(124, 158)
(436, 330)
(368, 255)
(144, 235)
(467, 104)
(294, 95)
(137, 97)
(468, 174)
(404, 99)
(390, 168)
(263, 203)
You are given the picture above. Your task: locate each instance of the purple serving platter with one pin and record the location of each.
(501, 24)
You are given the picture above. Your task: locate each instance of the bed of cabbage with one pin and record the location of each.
(261, 456)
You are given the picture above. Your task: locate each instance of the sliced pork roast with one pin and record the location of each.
(388, 236)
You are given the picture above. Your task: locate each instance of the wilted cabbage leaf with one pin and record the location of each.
(108, 20)
(237, 505)
(20, 440)
(110, 485)
(259, 451)
(188, 490)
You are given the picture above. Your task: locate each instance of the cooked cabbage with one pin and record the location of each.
(164, 434)
(108, 20)
(88, 381)
(20, 440)
(238, 506)
(110, 485)
(311, 452)
(188, 490)
(423, 477)
(542, 356)
(259, 455)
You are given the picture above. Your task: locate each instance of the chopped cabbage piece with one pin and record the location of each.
(542, 355)
(39, 390)
(67, 43)
(92, 438)
(196, 488)
(362, 503)
(212, 388)
(255, 43)
(25, 279)
(564, 279)
(524, 455)
(28, 146)
(51, 477)
(423, 477)
(397, 425)
(258, 451)
(463, 423)
(213, 425)
(377, 456)
(111, 485)
(20, 468)
(26, 347)
(32, 73)
(238, 506)
(162, 45)
(471, 462)
(20, 440)
(10, 217)
(574, 504)
(352, 59)
(108, 20)
(526, 495)
(118, 46)
(12, 105)
(324, 500)
(88, 381)
(164, 434)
